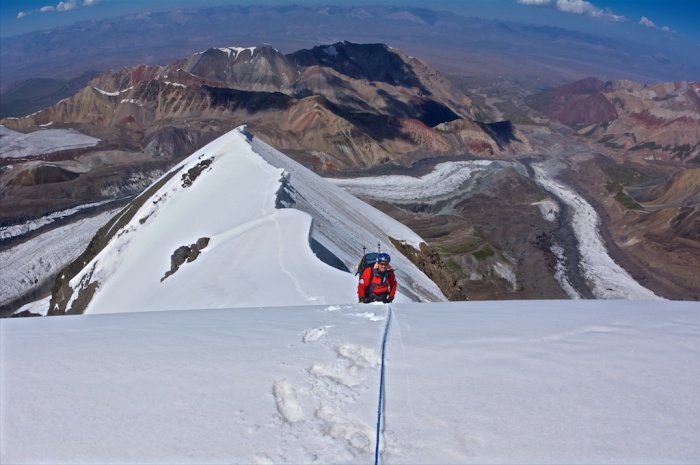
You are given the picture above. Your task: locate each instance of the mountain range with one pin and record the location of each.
(197, 221)
(650, 122)
(466, 45)
(328, 106)
(346, 109)
(252, 330)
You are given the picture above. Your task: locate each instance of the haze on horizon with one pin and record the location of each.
(672, 21)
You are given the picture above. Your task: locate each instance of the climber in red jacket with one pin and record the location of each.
(377, 283)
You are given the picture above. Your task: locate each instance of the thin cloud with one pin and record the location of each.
(582, 7)
(579, 7)
(646, 22)
(60, 7)
(67, 6)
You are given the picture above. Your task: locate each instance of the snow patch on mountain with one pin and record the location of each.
(18, 145)
(443, 180)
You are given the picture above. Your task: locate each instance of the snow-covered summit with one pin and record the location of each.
(212, 236)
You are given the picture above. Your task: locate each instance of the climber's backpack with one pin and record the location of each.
(368, 260)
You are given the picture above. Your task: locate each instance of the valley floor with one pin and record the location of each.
(663, 264)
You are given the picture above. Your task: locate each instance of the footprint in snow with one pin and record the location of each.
(340, 425)
(371, 316)
(286, 401)
(348, 369)
(359, 355)
(314, 334)
(346, 376)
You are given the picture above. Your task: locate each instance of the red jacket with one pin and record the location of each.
(374, 283)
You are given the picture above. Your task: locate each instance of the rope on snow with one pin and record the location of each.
(381, 390)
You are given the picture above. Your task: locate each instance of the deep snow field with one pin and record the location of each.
(464, 382)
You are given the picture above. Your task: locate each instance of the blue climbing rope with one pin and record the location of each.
(381, 390)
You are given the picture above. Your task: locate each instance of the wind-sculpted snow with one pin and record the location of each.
(607, 279)
(464, 382)
(16, 144)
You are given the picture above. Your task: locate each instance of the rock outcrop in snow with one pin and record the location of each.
(230, 193)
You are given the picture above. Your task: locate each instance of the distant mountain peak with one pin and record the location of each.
(372, 104)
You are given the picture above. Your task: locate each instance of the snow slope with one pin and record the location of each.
(270, 360)
(465, 382)
(228, 193)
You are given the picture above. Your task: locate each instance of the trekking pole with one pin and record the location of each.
(362, 259)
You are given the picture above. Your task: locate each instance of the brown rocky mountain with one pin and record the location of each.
(337, 107)
(674, 206)
(648, 122)
(650, 194)
(24, 97)
(368, 113)
(652, 225)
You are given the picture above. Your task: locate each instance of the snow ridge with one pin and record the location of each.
(227, 193)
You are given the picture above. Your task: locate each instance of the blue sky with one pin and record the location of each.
(641, 19)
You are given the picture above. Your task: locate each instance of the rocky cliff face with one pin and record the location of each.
(345, 106)
(674, 206)
(646, 122)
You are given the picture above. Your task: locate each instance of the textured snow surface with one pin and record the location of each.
(465, 382)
